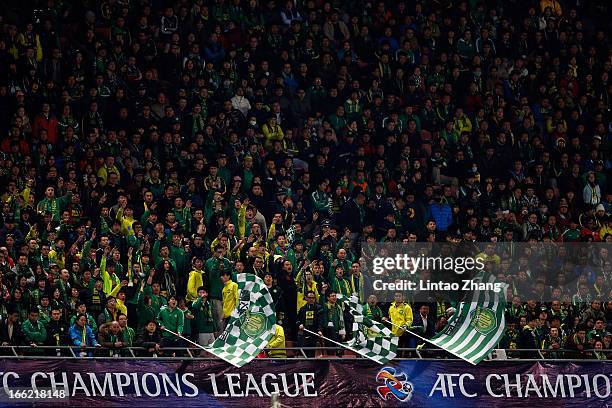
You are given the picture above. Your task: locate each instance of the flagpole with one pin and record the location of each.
(200, 346)
(408, 331)
(337, 343)
(328, 339)
(429, 341)
(184, 338)
(342, 345)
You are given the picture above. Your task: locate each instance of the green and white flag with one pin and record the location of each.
(371, 339)
(251, 324)
(476, 327)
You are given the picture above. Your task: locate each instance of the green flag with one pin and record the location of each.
(371, 339)
(251, 324)
(476, 327)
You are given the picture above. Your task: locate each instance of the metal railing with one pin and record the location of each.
(293, 353)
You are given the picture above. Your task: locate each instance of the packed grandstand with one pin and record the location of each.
(151, 151)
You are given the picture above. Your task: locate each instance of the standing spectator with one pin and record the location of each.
(401, 318)
(109, 313)
(129, 336)
(57, 331)
(173, 319)
(46, 121)
(276, 345)
(528, 338)
(82, 336)
(10, 330)
(332, 319)
(204, 318)
(424, 323)
(34, 331)
(308, 318)
(230, 296)
(318, 117)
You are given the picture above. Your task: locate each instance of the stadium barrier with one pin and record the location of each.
(309, 383)
(52, 352)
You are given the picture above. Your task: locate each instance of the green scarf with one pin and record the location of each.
(357, 286)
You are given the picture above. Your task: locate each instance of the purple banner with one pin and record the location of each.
(314, 383)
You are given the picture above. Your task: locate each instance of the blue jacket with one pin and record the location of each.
(76, 336)
(442, 214)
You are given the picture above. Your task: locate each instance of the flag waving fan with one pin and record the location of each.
(251, 324)
(476, 328)
(371, 339)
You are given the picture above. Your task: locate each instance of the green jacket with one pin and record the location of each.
(172, 320)
(212, 267)
(145, 312)
(321, 201)
(288, 254)
(373, 313)
(186, 322)
(341, 286)
(157, 301)
(86, 262)
(346, 266)
(158, 259)
(204, 313)
(183, 217)
(332, 314)
(128, 336)
(178, 255)
(34, 332)
(54, 205)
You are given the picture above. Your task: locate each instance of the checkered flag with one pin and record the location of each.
(290, 235)
(251, 324)
(371, 339)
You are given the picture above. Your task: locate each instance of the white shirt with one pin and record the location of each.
(424, 318)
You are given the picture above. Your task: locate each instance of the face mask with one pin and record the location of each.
(252, 122)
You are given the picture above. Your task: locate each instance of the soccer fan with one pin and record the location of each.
(148, 152)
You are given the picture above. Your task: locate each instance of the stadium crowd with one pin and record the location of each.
(151, 150)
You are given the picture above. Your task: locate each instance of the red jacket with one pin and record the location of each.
(24, 148)
(50, 125)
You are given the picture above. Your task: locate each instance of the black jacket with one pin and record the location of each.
(431, 324)
(148, 341)
(17, 337)
(57, 333)
(309, 316)
(352, 217)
